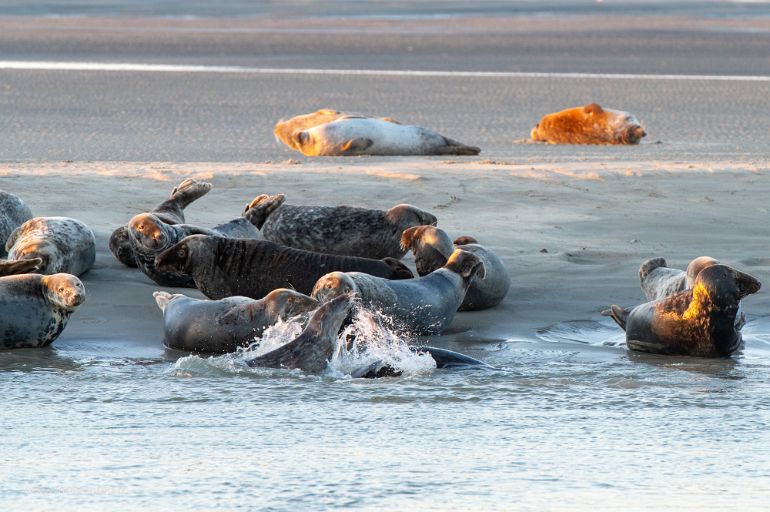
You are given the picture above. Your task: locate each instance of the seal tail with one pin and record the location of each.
(163, 298)
(618, 314)
(458, 148)
(189, 190)
(650, 265)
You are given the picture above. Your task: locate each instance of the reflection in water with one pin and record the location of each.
(589, 332)
(36, 359)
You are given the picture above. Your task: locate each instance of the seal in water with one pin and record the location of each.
(444, 359)
(220, 326)
(697, 322)
(223, 267)
(590, 124)
(342, 229)
(12, 268)
(13, 213)
(369, 136)
(424, 305)
(170, 211)
(659, 281)
(34, 309)
(150, 236)
(316, 345)
(65, 245)
(431, 247)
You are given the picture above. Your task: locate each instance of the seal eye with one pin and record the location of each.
(182, 253)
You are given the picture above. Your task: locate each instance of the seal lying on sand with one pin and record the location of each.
(219, 326)
(315, 346)
(13, 213)
(149, 236)
(284, 128)
(659, 281)
(170, 211)
(425, 305)
(12, 268)
(590, 124)
(368, 136)
(65, 245)
(431, 247)
(697, 322)
(223, 267)
(34, 309)
(342, 229)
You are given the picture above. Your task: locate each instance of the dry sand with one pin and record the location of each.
(571, 234)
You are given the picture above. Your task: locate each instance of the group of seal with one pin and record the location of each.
(329, 132)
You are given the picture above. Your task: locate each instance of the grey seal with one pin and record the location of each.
(315, 346)
(13, 213)
(170, 211)
(286, 127)
(342, 230)
(424, 305)
(697, 322)
(35, 309)
(431, 247)
(64, 244)
(659, 281)
(220, 326)
(224, 267)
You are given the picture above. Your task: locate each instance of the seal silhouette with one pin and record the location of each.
(64, 245)
(224, 267)
(424, 305)
(432, 247)
(13, 213)
(35, 309)
(219, 326)
(590, 124)
(697, 322)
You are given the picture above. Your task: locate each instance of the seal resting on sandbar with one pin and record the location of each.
(659, 281)
(13, 213)
(34, 309)
(317, 343)
(697, 322)
(431, 247)
(220, 326)
(224, 267)
(65, 245)
(14, 267)
(377, 137)
(424, 305)
(590, 124)
(170, 211)
(342, 230)
(149, 236)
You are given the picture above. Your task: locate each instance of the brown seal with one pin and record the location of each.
(590, 124)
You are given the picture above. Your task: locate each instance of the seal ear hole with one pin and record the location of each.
(300, 137)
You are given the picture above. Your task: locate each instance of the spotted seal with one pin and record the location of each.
(342, 230)
(590, 124)
(424, 305)
(13, 213)
(431, 247)
(170, 211)
(219, 326)
(697, 322)
(35, 309)
(224, 267)
(315, 346)
(64, 244)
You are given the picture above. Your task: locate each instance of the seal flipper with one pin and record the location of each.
(188, 191)
(650, 265)
(15, 267)
(356, 145)
(618, 314)
(260, 208)
(163, 298)
(454, 147)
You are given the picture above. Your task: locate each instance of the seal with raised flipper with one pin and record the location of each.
(699, 322)
(431, 247)
(345, 230)
(424, 305)
(64, 244)
(315, 346)
(590, 124)
(35, 309)
(286, 127)
(224, 267)
(13, 213)
(220, 326)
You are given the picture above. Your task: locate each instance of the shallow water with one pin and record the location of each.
(567, 420)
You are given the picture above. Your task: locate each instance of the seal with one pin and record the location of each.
(697, 322)
(317, 343)
(590, 124)
(170, 211)
(149, 236)
(35, 309)
(285, 127)
(659, 281)
(424, 305)
(445, 359)
(224, 267)
(432, 247)
(342, 230)
(65, 245)
(13, 213)
(12, 268)
(220, 326)
(376, 137)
